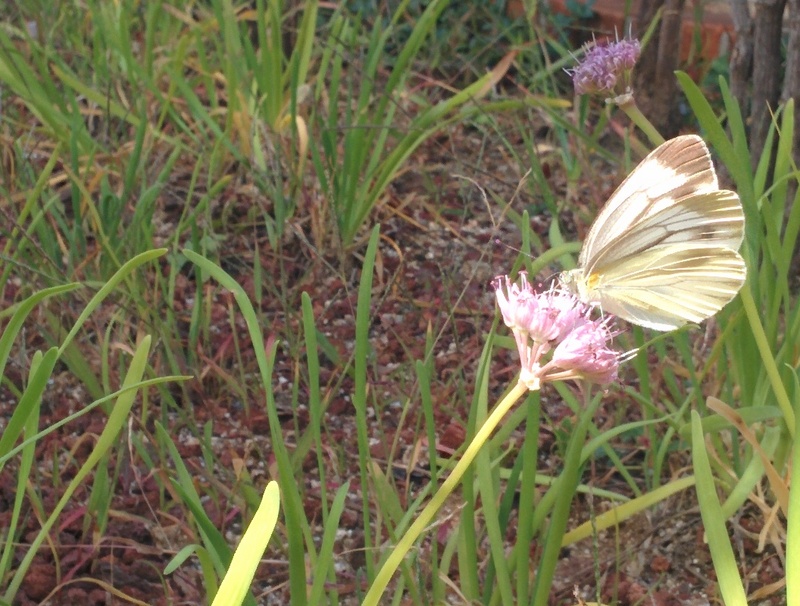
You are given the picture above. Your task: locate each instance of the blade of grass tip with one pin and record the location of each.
(106, 441)
(783, 158)
(21, 312)
(387, 500)
(729, 581)
(107, 288)
(209, 573)
(301, 543)
(106, 358)
(763, 172)
(620, 513)
(236, 584)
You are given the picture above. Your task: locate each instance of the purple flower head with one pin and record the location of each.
(585, 353)
(517, 303)
(559, 313)
(606, 68)
(558, 321)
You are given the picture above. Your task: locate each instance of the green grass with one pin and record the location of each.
(198, 205)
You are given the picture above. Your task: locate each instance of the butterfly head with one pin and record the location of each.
(581, 285)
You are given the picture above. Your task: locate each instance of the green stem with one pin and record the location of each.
(421, 523)
(627, 104)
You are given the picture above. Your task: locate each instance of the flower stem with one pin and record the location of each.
(421, 523)
(627, 104)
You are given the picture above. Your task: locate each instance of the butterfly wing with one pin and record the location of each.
(663, 250)
(713, 219)
(676, 170)
(669, 285)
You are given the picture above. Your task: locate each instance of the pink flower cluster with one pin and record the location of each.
(606, 68)
(555, 321)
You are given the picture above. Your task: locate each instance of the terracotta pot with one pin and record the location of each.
(716, 26)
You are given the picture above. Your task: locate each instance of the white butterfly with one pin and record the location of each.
(663, 250)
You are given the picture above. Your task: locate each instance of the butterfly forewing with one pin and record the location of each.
(677, 170)
(712, 218)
